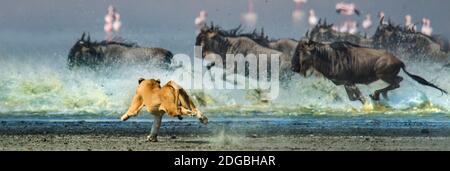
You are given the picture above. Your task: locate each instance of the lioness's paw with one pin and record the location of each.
(152, 138)
(124, 117)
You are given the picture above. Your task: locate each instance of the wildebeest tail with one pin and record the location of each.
(169, 56)
(422, 80)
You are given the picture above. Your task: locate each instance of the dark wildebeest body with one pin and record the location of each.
(92, 54)
(213, 40)
(285, 45)
(348, 64)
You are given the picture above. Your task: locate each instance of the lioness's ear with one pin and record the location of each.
(140, 80)
(158, 81)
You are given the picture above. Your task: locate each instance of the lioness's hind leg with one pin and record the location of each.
(155, 129)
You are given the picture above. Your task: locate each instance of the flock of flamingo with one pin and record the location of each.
(250, 17)
(342, 8)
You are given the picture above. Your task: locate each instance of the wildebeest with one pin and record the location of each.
(213, 40)
(324, 32)
(348, 64)
(406, 42)
(92, 54)
(284, 45)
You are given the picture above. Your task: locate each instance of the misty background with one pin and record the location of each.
(52, 26)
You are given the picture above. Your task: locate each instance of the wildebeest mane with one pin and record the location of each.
(259, 37)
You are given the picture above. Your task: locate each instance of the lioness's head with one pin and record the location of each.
(151, 82)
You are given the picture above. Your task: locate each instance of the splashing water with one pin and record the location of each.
(44, 86)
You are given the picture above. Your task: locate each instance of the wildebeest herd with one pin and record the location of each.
(345, 59)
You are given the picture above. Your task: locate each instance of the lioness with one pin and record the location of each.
(170, 99)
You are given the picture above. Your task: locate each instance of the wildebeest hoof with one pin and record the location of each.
(203, 120)
(152, 138)
(180, 118)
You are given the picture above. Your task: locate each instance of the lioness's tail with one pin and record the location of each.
(422, 80)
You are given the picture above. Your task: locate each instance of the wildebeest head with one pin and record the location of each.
(82, 52)
(385, 33)
(211, 41)
(303, 58)
(323, 32)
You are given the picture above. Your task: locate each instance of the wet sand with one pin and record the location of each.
(220, 135)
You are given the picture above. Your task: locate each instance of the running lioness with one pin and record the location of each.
(170, 99)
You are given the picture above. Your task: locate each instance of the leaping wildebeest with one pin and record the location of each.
(348, 64)
(87, 53)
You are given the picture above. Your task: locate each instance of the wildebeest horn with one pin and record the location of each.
(307, 33)
(82, 36)
(89, 38)
(381, 20)
(325, 22)
(320, 21)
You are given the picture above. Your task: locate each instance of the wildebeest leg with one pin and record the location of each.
(354, 93)
(155, 128)
(351, 92)
(359, 95)
(394, 83)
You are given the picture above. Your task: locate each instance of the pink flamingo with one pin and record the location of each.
(117, 23)
(250, 17)
(426, 27)
(347, 9)
(297, 14)
(408, 23)
(200, 21)
(312, 19)
(109, 19)
(381, 16)
(367, 23)
(112, 23)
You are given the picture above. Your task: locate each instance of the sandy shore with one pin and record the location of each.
(221, 135)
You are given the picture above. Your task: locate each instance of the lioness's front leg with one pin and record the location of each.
(155, 128)
(134, 108)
